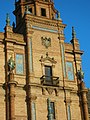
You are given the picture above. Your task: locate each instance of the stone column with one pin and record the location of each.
(31, 107)
(84, 101)
(12, 85)
(30, 75)
(29, 65)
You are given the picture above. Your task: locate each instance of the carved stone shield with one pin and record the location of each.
(46, 42)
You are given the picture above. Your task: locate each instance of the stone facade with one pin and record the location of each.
(45, 83)
(88, 98)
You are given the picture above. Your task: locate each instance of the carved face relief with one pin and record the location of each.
(46, 42)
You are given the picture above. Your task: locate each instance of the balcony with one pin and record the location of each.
(49, 80)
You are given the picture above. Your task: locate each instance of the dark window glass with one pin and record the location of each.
(47, 0)
(53, 109)
(30, 9)
(43, 12)
(48, 73)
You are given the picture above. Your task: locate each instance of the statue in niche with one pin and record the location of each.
(11, 64)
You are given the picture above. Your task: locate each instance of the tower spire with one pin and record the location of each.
(73, 33)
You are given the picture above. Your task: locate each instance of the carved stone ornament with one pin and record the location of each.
(50, 90)
(47, 58)
(57, 92)
(43, 91)
(46, 41)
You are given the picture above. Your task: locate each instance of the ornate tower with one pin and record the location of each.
(39, 8)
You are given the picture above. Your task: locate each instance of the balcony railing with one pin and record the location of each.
(49, 80)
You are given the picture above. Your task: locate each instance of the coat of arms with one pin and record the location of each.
(46, 42)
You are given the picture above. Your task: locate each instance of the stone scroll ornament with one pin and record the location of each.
(11, 64)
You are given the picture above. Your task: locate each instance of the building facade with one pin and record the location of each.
(40, 74)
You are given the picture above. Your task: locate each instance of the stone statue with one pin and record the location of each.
(58, 15)
(80, 74)
(11, 64)
(7, 19)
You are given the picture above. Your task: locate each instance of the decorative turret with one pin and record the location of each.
(8, 29)
(41, 8)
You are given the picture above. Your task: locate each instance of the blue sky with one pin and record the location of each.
(73, 13)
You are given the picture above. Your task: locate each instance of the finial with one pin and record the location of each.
(73, 33)
(13, 24)
(27, 10)
(7, 19)
(46, 54)
(58, 15)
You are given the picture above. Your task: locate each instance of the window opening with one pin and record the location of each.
(48, 73)
(43, 12)
(30, 9)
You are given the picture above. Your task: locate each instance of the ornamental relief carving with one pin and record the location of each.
(50, 91)
(46, 42)
(47, 58)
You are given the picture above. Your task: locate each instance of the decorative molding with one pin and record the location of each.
(43, 91)
(57, 92)
(63, 60)
(45, 29)
(46, 41)
(33, 98)
(47, 58)
(45, 22)
(50, 90)
(30, 57)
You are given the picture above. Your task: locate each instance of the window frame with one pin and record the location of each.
(70, 64)
(48, 79)
(23, 72)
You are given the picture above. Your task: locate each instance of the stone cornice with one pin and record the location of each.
(75, 51)
(45, 21)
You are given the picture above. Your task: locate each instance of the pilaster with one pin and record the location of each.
(29, 65)
(11, 85)
(84, 101)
